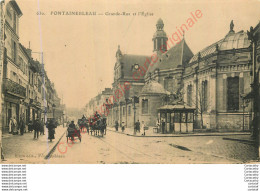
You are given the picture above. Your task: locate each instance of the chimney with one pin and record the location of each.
(29, 52)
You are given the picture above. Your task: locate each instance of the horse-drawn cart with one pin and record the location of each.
(72, 133)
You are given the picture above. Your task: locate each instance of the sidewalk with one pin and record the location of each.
(25, 149)
(150, 133)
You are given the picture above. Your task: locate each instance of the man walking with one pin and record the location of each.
(138, 126)
(22, 126)
(36, 126)
(163, 126)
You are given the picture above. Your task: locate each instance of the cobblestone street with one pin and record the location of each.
(120, 148)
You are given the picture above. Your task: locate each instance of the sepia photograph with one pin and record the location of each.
(129, 82)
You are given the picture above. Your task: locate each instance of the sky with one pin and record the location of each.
(79, 51)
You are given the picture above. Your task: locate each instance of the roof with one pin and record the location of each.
(129, 61)
(176, 107)
(257, 27)
(175, 57)
(153, 87)
(231, 41)
(16, 7)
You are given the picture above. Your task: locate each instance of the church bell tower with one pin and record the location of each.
(160, 38)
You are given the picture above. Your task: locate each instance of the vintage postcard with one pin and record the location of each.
(129, 82)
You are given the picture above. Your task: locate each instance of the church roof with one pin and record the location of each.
(153, 87)
(129, 61)
(175, 57)
(231, 41)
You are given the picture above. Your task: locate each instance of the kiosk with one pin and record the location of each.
(177, 118)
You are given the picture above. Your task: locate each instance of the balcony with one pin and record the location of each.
(35, 103)
(14, 88)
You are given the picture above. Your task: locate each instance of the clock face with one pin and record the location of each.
(136, 66)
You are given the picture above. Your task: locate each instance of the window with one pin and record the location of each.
(189, 117)
(204, 96)
(14, 51)
(189, 95)
(183, 117)
(233, 93)
(9, 14)
(166, 83)
(144, 106)
(14, 27)
(177, 117)
(39, 86)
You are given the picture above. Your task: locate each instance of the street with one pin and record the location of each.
(117, 148)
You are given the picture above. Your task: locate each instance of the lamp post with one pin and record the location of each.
(134, 108)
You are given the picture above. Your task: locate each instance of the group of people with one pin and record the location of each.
(137, 127)
(15, 127)
(37, 126)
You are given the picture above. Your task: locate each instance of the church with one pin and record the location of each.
(215, 82)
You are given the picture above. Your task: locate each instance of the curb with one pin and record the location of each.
(187, 135)
(54, 147)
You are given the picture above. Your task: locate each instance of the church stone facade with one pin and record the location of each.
(215, 82)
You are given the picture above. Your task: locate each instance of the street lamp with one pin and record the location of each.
(135, 99)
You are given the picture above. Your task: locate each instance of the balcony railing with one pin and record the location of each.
(14, 88)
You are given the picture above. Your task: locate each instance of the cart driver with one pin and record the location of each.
(72, 125)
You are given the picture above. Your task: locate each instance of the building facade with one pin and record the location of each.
(216, 82)
(27, 90)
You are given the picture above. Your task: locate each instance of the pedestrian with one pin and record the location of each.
(163, 126)
(143, 127)
(51, 129)
(36, 127)
(123, 126)
(15, 127)
(116, 125)
(158, 125)
(21, 126)
(138, 126)
(41, 127)
(11, 126)
(30, 126)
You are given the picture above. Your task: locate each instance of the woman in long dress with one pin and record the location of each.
(51, 129)
(10, 126)
(15, 128)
